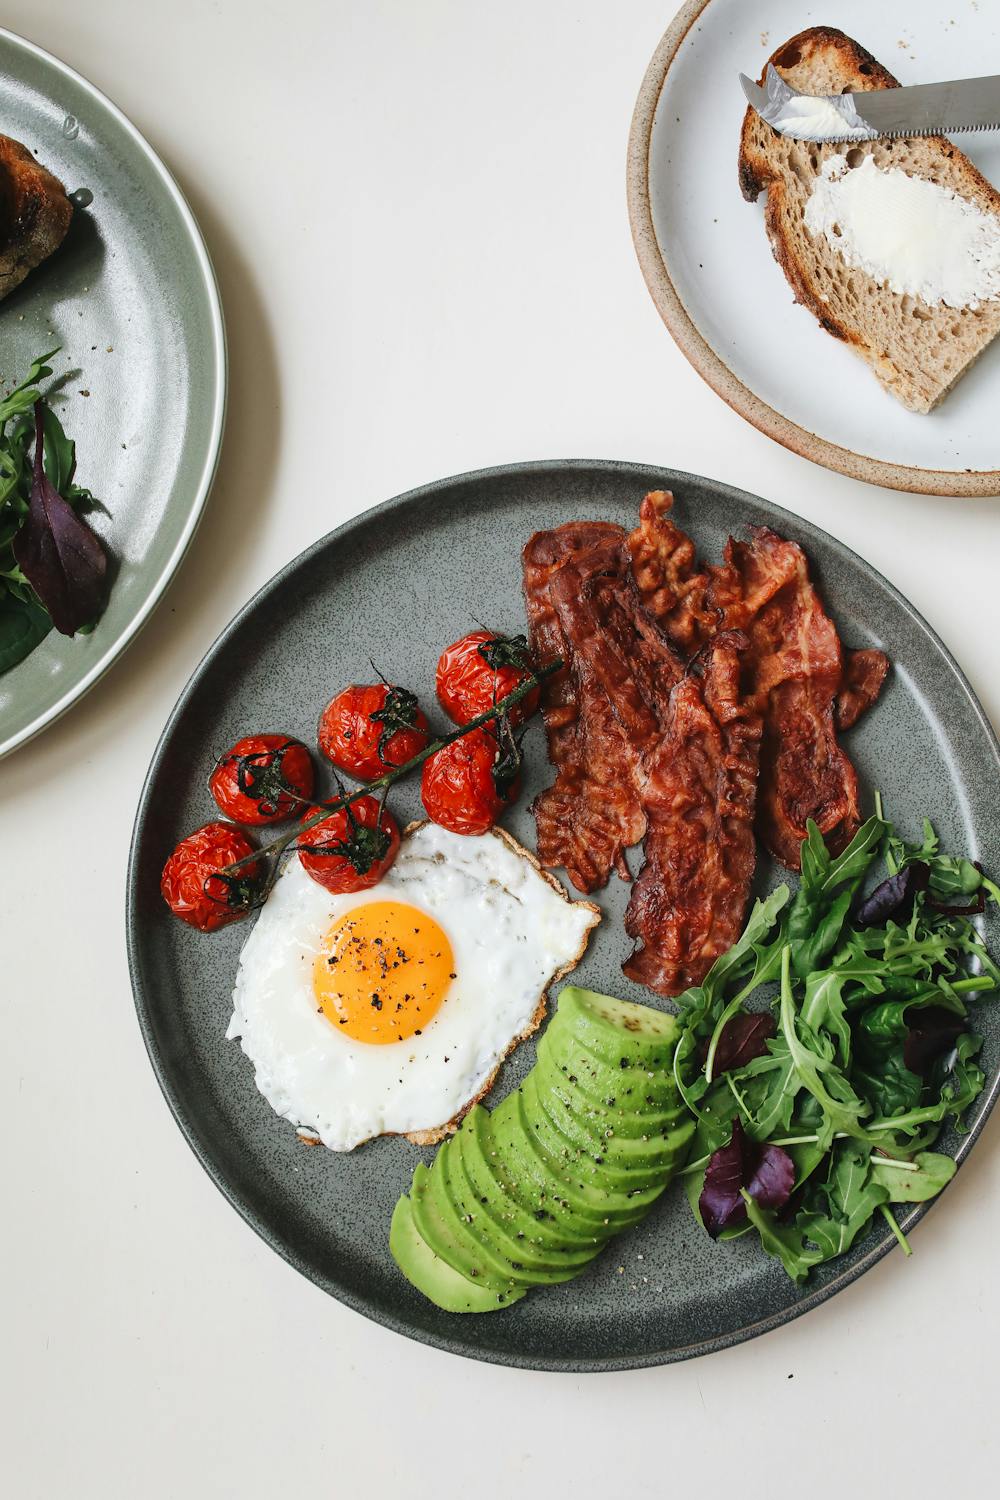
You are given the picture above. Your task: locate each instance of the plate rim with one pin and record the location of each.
(369, 1306)
(953, 483)
(219, 400)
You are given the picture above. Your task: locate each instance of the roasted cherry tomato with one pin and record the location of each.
(479, 670)
(352, 849)
(262, 779)
(192, 886)
(366, 731)
(466, 786)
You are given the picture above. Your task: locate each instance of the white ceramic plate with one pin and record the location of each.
(708, 264)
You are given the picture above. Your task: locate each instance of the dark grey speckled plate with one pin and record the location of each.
(398, 583)
(130, 299)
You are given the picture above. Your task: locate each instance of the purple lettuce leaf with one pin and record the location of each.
(744, 1037)
(766, 1172)
(58, 553)
(894, 896)
(773, 1177)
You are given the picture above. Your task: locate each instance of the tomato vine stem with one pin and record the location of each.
(274, 850)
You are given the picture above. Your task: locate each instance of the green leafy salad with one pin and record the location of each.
(824, 1053)
(53, 569)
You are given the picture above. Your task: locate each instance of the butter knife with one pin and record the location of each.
(920, 109)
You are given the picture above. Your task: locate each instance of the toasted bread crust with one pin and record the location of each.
(35, 214)
(756, 172)
(824, 59)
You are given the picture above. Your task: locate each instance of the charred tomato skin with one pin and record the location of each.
(282, 769)
(192, 886)
(468, 684)
(355, 739)
(361, 843)
(458, 789)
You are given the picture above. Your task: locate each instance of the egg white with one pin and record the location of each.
(511, 931)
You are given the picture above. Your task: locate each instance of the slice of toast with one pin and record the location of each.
(35, 214)
(918, 350)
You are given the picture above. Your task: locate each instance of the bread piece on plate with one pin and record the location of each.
(918, 349)
(35, 214)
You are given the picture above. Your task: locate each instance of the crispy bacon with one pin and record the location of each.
(864, 674)
(688, 903)
(795, 665)
(641, 751)
(686, 758)
(605, 712)
(591, 813)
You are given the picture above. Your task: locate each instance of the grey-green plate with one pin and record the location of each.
(131, 298)
(398, 584)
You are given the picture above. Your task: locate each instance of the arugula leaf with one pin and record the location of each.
(702, 1006)
(59, 451)
(949, 876)
(871, 1055)
(703, 1000)
(823, 1009)
(852, 1197)
(819, 911)
(770, 1085)
(23, 397)
(814, 1066)
(785, 1241)
(961, 1082)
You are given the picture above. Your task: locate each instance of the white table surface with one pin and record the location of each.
(417, 212)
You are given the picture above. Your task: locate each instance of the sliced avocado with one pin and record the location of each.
(609, 1109)
(528, 1180)
(541, 1188)
(577, 1178)
(530, 1194)
(650, 1141)
(440, 1227)
(533, 1242)
(617, 1029)
(434, 1277)
(623, 1162)
(633, 1089)
(524, 1266)
(475, 1225)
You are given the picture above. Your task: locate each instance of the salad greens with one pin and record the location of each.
(52, 566)
(818, 1108)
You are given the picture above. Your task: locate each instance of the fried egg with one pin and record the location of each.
(389, 1011)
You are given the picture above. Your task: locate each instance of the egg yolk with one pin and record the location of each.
(382, 972)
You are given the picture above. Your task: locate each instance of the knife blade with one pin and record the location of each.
(919, 109)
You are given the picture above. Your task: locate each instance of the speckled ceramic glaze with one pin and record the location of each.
(397, 584)
(130, 298)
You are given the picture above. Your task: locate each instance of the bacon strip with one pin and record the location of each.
(689, 901)
(646, 749)
(591, 814)
(640, 750)
(795, 665)
(864, 674)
